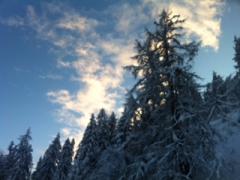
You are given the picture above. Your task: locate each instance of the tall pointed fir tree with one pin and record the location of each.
(112, 127)
(235, 84)
(23, 165)
(219, 97)
(2, 166)
(103, 130)
(178, 144)
(216, 98)
(49, 161)
(36, 174)
(222, 96)
(126, 121)
(10, 159)
(65, 161)
(237, 53)
(87, 152)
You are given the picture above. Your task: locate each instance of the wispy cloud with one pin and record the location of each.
(134, 16)
(51, 77)
(21, 70)
(77, 23)
(101, 81)
(97, 66)
(12, 21)
(203, 18)
(96, 56)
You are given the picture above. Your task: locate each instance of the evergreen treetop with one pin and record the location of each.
(237, 53)
(23, 162)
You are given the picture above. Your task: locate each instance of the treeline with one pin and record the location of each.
(166, 129)
(17, 164)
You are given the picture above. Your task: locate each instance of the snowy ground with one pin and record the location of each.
(229, 147)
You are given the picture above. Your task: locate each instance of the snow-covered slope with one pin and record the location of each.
(228, 145)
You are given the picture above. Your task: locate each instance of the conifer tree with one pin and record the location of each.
(169, 101)
(112, 127)
(2, 166)
(163, 68)
(125, 123)
(237, 53)
(103, 130)
(65, 161)
(36, 174)
(216, 97)
(11, 159)
(234, 85)
(50, 161)
(23, 164)
(87, 152)
(88, 142)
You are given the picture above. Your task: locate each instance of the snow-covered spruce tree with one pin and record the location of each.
(176, 140)
(125, 123)
(112, 127)
(103, 140)
(87, 152)
(235, 84)
(223, 95)
(2, 166)
(50, 161)
(216, 96)
(36, 174)
(10, 159)
(237, 53)
(65, 161)
(103, 130)
(23, 165)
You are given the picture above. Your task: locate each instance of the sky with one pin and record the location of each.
(60, 61)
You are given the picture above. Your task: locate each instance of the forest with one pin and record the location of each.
(169, 129)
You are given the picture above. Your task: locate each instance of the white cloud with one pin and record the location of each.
(44, 28)
(61, 97)
(102, 83)
(77, 23)
(129, 17)
(63, 64)
(203, 18)
(66, 132)
(13, 21)
(51, 77)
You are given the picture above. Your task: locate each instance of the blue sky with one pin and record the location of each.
(61, 61)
